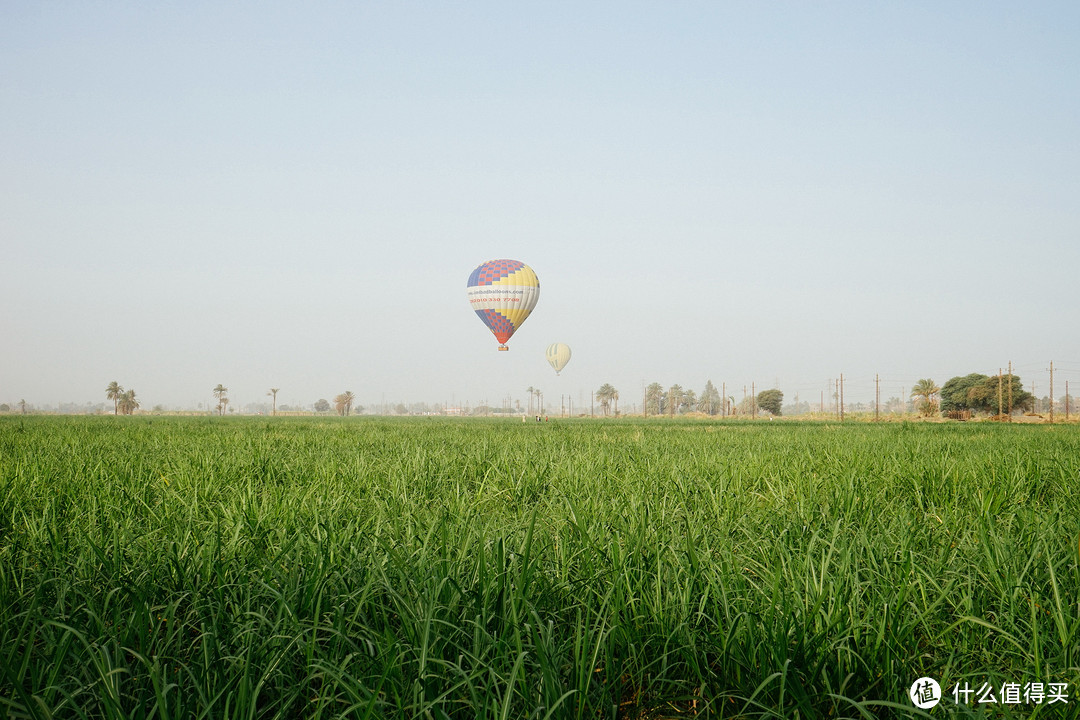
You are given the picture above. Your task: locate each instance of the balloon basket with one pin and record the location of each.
(503, 348)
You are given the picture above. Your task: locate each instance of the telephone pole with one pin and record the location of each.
(1051, 391)
(841, 397)
(999, 393)
(877, 398)
(1010, 389)
(753, 401)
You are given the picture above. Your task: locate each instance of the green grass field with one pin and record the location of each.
(438, 568)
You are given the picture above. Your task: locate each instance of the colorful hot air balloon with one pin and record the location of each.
(557, 354)
(503, 293)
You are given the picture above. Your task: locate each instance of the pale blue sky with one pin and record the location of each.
(294, 195)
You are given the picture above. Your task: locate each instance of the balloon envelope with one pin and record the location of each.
(557, 354)
(503, 293)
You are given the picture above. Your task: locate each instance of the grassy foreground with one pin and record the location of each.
(441, 568)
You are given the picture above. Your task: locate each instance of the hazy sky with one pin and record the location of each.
(294, 194)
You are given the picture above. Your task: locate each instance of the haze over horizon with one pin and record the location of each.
(293, 196)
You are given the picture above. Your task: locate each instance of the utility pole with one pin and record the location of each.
(723, 399)
(836, 397)
(877, 398)
(1051, 391)
(841, 397)
(1066, 401)
(592, 401)
(999, 392)
(753, 401)
(1010, 389)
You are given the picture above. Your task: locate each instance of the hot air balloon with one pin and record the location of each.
(557, 354)
(503, 293)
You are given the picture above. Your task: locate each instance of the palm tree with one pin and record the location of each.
(113, 392)
(531, 390)
(220, 392)
(654, 398)
(128, 403)
(709, 401)
(927, 392)
(273, 392)
(343, 403)
(674, 398)
(605, 395)
(689, 401)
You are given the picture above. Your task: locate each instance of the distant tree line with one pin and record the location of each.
(985, 393)
(677, 400)
(972, 393)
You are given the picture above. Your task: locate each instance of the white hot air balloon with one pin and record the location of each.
(557, 354)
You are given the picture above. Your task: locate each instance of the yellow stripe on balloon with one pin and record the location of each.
(515, 316)
(525, 276)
